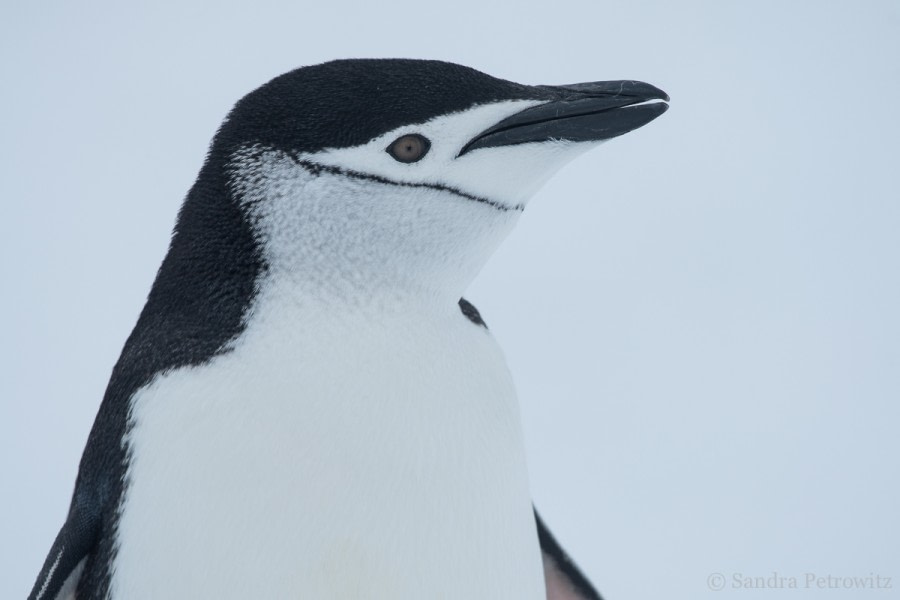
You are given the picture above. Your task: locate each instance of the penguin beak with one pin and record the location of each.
(582, 112)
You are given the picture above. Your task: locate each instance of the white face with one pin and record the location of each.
(507, 175)
(357, 223)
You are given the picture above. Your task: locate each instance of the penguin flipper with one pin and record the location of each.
(563, 579)
(65, 562)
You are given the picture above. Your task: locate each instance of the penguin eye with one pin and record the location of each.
(409, 148)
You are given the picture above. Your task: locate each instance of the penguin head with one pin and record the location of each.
(404, 175)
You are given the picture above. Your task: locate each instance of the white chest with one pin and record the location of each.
(331, 458)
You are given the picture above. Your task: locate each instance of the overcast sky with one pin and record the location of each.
(702, 317)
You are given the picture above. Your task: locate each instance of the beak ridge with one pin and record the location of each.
(579, 112)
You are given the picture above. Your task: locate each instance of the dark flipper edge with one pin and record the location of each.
(471, 313)
(564, 580)
(73, 543)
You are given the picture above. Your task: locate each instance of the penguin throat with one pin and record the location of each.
(335, 235)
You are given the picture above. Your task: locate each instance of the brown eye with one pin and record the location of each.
(409, 148)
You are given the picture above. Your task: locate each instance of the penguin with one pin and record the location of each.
(306, 407)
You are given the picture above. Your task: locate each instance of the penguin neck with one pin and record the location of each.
(353, 242)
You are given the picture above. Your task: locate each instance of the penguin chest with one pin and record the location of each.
(337, 459)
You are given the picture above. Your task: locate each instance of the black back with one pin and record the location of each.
(196, 305)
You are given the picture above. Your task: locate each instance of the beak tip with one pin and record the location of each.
(650, 92)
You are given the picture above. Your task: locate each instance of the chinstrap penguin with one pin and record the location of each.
(306, 408)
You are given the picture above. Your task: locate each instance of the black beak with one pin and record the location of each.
(581, 112)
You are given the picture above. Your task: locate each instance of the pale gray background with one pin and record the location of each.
(701, 316)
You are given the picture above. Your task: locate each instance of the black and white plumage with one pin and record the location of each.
(306, 407)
